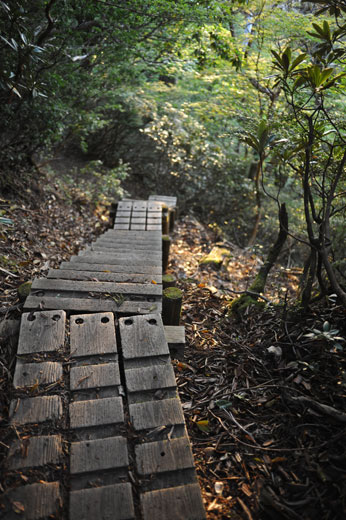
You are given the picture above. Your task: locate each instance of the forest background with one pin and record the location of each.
(235, 107)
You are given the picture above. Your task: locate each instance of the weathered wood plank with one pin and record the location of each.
(121, 226)
(125, 248)
(150, 378)
(39, 502)
(79, 305)
(94, 376)
(97, 287)
(35, 409)
(137, 226)
(168, 201)
(161, 456)
(154, 227)
(140, 255)
(173, 503)
(99, 454)
(34, 452)
(175, 336)
(96, 412)
(139, 205)
(139, 220)
(92, 334)
(94, 258)
(132, 234)
(42, 332)
(29, 374)
(112, 268)
(124, 205)
(143, 336)
(153, 220)
(151, 414)
(99, 276)
(103, 503)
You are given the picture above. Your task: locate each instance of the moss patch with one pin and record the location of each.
(24, 290)
(173, 293)
(216, 257)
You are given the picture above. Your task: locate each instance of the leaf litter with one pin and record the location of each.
(263, 400)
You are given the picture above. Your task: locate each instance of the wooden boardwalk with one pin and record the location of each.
(99, 424)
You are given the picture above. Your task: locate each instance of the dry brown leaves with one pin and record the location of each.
(259, 452)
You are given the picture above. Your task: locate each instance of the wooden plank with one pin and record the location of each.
(162, 456)
(113, 502)
(94, 258)
(169, 201)
(126, 250)
(123, 213)
(30, 374)
(129, 247)
(154, 227)
(175, 337)
(122, 220)
(98, 454)
(79, 305)
(132, 255)
(137, 226)
(92, 334)
(112, 268)
(97, 287)
(143, 336)
(153, 220)
(34, 452)
(131, 234)
(151, 414)
(39, 501)
(36, 409)
(42, 332)
(173, 503)
(96, 412)
(94, 376)
(150, 378)
(139, 220)
(100, 276)
(124, 206)
(121, 226)
(139, 205)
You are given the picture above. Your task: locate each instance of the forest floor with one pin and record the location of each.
(263, 402)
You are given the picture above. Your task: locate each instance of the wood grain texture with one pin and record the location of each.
(34, 452)
(99, 454)
(168, 201)
(132, 234)
(96, 412)
(92, 334)
(112, 268)
(175, 336)
(105, 251)
(99, 276)
(94, 376)
(108, 258)
(97, 287)
(181, 502)
(150, 378)
(162, 456)
(39, 501)
(29, 374)
(103, 503)
(151, 414)
(42, 332)
(36, 409)
(143, 336)
(125, 249)
(121, 226)
(79, 305)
